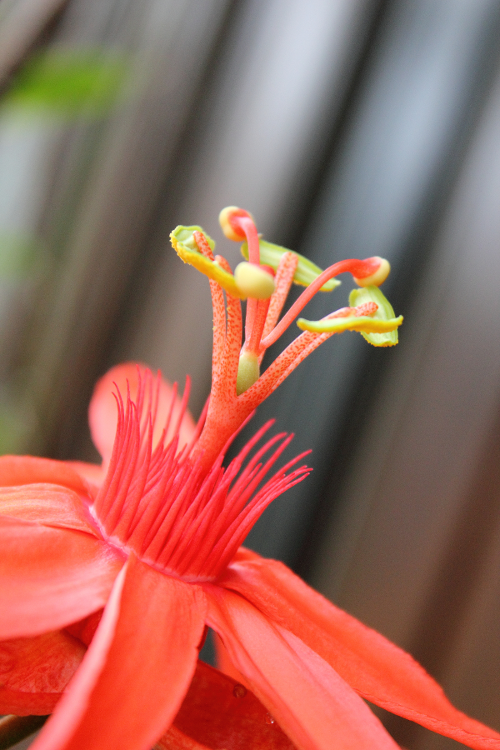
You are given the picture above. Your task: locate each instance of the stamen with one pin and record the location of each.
(252, 343)
(232, 343)
(218, 309)
(237, 385)
(282, 366)
(283, 281)
(249, 361)
(358, 268)
(305, 272)
(203, 246)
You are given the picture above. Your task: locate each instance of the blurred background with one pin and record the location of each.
(349, 128)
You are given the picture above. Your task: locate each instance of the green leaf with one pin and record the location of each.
(67, 83)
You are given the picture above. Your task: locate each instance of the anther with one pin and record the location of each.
(253, 281)
(248, 371)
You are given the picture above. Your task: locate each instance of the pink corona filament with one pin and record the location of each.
(163, 505)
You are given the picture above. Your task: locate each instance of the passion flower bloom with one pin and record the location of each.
(110, 575)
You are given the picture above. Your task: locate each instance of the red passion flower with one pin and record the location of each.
(110, 575)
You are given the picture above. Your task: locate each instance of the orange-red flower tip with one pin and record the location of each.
(377, 270)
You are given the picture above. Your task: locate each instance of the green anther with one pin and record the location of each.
(270, 255)
(379, 329)
(184, 237)
(385, 313)
(248, 372)
(186, 248)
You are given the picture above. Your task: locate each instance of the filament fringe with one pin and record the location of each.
(160, 501)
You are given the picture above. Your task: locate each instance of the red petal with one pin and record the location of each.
(103, 411)
(177, 740)
(47, 504)
(313, 705)
(137, 669)
(35, 671)
(50, 577)
(17, 470)
(377, 669)
(92, 474)
(27, 704)
(220, 712)
(244, 553)
(84, 630)
(223, 660)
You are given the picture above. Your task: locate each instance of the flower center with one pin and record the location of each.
(160, 502)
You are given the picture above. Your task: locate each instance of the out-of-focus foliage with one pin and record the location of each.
(16, 254)
(14, 425)
(68, 83)
(58, 85)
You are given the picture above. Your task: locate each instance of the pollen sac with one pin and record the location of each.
(186, 248)
(384, 316)
(248, 371)
(379, 328)
(253, 281)
(306, 273)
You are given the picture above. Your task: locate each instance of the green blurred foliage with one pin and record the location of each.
(14, 426)
(55, 85)
(17, 252)
(68, 83)
(24, 262)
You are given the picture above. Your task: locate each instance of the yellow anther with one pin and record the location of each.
(224, 220)
(363, 324)
(253, 281)
(270, 255)
(185, 246)
(377, 278)
(378, 327)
